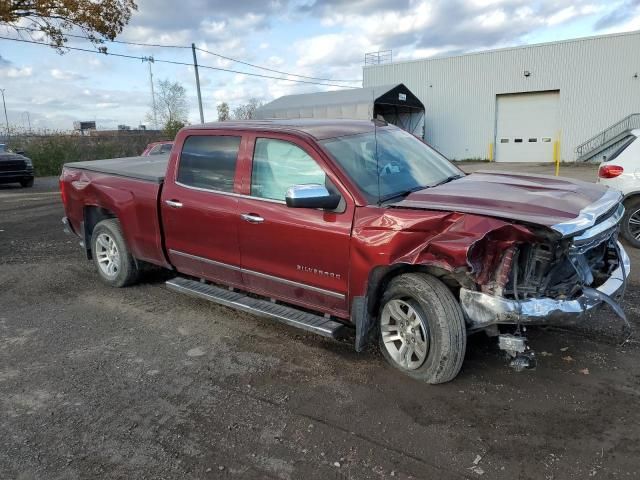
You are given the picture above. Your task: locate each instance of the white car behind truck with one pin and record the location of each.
(621, 170)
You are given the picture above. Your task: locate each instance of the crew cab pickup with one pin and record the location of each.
(339, 225)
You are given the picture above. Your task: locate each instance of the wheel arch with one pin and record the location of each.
(631, 196)
(381, 276)
(93, 215)
(365, 309)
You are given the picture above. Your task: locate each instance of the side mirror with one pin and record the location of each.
(20, 152)
(311, 196)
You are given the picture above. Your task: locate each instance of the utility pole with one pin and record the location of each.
(6, 118)
(28, 120)
(195, 67)
(150, 60)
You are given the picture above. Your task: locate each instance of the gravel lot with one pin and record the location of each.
(145, 383)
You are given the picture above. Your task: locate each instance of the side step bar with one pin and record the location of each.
(289, 315)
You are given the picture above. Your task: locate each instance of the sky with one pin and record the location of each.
(316, 38)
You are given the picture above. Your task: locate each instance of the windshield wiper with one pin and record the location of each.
(401, 194)
(450, 178)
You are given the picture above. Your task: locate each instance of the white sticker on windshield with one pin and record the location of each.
(402, 97)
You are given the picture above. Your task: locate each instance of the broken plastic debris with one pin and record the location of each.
(584, 371)
(568, 358)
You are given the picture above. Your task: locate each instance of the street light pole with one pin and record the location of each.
(6, 118)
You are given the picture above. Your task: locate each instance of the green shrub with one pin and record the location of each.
(50, 152)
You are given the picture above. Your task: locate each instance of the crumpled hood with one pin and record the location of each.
(538, 199)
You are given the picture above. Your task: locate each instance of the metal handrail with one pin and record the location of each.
(628, 123)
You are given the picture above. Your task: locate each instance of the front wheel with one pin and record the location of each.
(631, 222)
(26, 183)
(116, 266)
(422, 328)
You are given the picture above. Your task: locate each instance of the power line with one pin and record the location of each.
(175, 62)
(157, 45)
(272, 70)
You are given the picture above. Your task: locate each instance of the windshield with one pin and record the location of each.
(404, 163)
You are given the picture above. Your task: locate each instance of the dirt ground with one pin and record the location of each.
(145, 383)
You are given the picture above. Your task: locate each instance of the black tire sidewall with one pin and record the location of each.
(405, 287)
(631, 206)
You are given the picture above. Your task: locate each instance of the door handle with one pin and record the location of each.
(252, 218)
(173, 203)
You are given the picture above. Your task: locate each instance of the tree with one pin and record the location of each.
(99, 21)
(223, 112)
(172, 128)
(248, 110)
(170, 108)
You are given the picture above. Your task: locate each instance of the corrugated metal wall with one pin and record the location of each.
(595, 77)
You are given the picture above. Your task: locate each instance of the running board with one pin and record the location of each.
(229, 298)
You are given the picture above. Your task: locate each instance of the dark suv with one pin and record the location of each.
(15, 168)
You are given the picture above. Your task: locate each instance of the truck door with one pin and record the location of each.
(299, 255)
(200, 209)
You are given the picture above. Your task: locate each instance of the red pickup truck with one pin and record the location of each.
(338, 226)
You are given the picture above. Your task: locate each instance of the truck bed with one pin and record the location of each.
(152, 169)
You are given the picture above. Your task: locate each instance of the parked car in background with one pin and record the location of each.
(621, 170)
(334, 224)
(15, 167)
(157, 148)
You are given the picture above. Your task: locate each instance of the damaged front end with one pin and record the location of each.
(565, 273)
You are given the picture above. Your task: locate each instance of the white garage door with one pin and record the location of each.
(528, 125)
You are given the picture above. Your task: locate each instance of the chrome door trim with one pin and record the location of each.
(230, 194)
(284, 281)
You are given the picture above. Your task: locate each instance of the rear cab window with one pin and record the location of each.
(209, 162)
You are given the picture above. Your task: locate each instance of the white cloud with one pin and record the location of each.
(65, 75)
(13, 72)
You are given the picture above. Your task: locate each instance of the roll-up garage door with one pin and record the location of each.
(528, 124)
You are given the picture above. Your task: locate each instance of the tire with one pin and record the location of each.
(438, 323)
(630, 229)
(115, 264)
(26, 183)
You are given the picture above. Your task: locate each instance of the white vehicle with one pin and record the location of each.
(621, 170)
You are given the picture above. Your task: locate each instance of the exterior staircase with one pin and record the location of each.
(608, 140)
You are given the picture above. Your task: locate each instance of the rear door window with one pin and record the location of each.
(628, 141)
(209, 162)
(278, 165)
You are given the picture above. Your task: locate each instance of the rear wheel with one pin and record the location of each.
(422, 329)
(116, 266)
(26, 183)
(631, 222)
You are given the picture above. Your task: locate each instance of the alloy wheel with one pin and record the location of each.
(107, 255)
(404, 334)
(634, 224)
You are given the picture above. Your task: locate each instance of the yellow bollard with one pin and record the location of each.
(491, 152)
(556, 156)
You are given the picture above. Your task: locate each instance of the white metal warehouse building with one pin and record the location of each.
(515, 104)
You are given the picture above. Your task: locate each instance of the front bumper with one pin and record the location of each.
(482, 310)
(15, 176)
